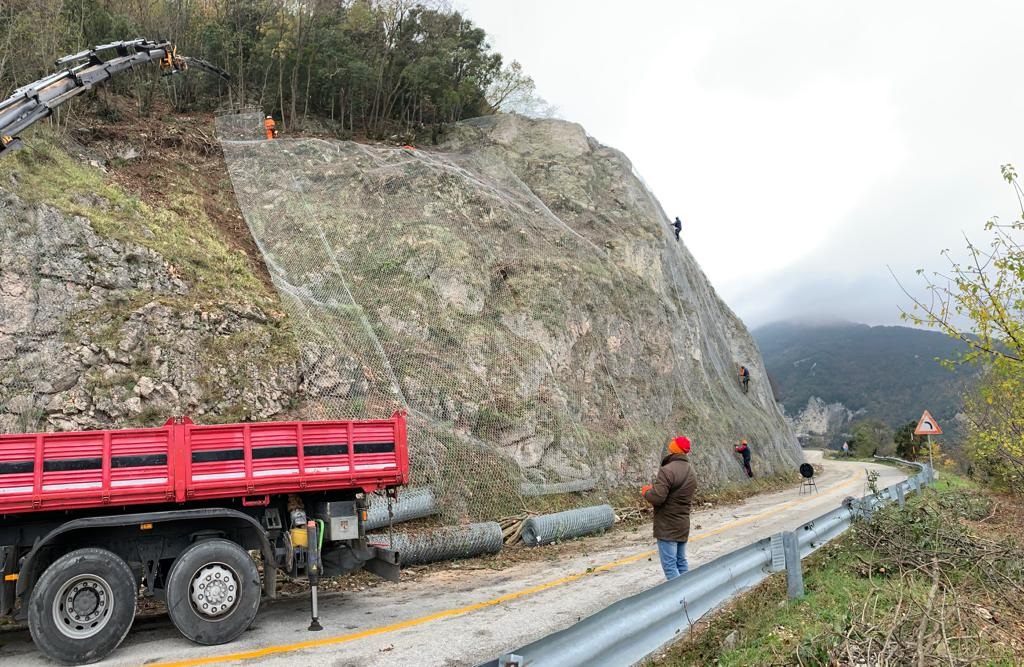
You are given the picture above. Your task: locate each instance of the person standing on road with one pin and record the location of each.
(672, 496)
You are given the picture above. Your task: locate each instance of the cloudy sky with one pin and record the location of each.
(806, 146)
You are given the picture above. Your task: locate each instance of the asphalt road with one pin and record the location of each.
(460, 616)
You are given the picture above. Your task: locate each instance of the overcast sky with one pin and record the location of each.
(805, 145)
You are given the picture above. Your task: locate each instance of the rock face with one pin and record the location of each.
(520, 292)
(819, 423)
(517, 290)
(96, 333)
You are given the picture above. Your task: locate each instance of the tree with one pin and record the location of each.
(870, 436)
(510, 84)
(908, 445)
(381, 67)
(987, 293)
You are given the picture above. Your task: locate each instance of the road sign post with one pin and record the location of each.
(927, 426)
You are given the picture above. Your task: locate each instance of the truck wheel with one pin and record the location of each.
(213, 591)
(83, 606)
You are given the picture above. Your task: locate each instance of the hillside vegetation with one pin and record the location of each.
(937, 583)
(885, 373)
(367, 67)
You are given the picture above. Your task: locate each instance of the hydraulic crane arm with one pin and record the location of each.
(34, 102)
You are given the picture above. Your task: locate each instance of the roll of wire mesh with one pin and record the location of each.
(548, 528)
(411, 504)
(548, 489)
(449, 543)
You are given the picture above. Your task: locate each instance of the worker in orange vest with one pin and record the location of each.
(270, 126)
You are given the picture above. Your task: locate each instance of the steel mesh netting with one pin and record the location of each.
(28, 343)
(446, 543)
(549, 528)
(402, 296)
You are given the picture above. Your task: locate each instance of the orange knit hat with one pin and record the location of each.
(680, 445)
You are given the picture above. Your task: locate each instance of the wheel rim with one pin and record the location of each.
(83, 606)
(214, 591)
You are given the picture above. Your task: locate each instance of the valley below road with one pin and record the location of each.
(469, 613)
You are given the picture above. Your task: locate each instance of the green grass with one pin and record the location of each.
(846, 582)
(217, 278)
(180, 232)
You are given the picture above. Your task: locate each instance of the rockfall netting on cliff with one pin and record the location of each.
(519, 292)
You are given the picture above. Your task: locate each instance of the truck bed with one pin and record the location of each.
(183, 461)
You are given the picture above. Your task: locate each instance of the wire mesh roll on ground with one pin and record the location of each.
(548, 489)
(547, 528)
(411, 504)
(475, 539)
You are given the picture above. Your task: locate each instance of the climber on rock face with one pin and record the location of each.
(678, 226)
(743, 449)
(745, 378)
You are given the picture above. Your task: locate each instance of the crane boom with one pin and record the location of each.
(83, 70)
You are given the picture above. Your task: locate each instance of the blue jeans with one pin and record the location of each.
(673, 558)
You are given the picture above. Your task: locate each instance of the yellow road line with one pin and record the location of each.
(413, 622)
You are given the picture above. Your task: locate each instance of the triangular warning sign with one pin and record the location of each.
(927, 425)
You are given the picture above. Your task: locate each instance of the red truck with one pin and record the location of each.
(87, 519)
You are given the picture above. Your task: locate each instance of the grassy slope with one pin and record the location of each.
(848, 581)
(163, 202)
(179, 229)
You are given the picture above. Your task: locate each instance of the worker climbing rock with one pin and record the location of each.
(743, 449)
(672, 496)
(270, 126)
(677, 226)
(745, 378)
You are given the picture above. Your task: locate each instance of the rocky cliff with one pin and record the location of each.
(118, 313)
(820, 424)
(517, 289)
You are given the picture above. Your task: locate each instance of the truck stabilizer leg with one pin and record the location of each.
(313, 572)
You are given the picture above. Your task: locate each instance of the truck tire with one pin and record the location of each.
(82, 606)
(213, 592)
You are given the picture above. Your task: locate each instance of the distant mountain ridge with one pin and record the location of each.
(884, 372)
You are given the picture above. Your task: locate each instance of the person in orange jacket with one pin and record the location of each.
(270, 126)
(672, 497)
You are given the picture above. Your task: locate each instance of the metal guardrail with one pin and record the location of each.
(631, 629)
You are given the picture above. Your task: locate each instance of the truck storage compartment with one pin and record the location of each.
(183, 461)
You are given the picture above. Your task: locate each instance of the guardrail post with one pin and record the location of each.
(861, 507)
(901, 495)
(794, 573)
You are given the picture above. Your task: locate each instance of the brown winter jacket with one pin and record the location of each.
(672, 495)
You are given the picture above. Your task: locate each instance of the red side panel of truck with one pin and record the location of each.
(183, 462)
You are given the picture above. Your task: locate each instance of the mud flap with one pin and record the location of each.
(384, 564)
(8, 563)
